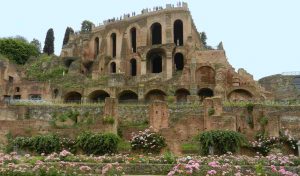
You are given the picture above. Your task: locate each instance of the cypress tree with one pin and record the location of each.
(49, 42)
(69, 31)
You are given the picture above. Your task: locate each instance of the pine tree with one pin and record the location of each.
(69, 31)
(203, 38)
(49, 42)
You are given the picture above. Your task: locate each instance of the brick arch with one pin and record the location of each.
(155, 94)
(127, 96)
(205, 75)
(72, 97)
(205, 92)
(128, 31)
(181, 94)
(97, 96)
(240, 94)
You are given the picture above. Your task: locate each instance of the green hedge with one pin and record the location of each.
(221, 141)
(90, 143)
(97, 143)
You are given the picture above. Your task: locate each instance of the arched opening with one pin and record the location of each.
(113, 39)
(155, 95)
(205, 75)
(98, 96)
(155, 61)
(133, 39)
(128, 96)
(133, 67)
(88, 67)
(113, 67)
(181, 95)
(179, 61)
(204, 93)
(96, 47)
(55, 93)
(178, 32)
(240, 95)
(156, 33)
(72, 97)
(68, 61)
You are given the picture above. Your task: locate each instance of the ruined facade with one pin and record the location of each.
(151, 56)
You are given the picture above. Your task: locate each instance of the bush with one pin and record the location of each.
(148, 142)
(39, 144)
(221, 141)
(97, 143)
(17, 50)
(46, 144)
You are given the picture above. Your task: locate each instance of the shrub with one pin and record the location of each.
(17, 50)
(97, 143)
(221, 141)
(147, 141)
(46, 143)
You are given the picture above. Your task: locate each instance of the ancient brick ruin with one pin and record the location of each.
(152, 66)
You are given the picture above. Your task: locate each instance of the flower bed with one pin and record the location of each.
(65, 163)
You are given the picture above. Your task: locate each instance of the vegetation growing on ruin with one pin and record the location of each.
(45, 68)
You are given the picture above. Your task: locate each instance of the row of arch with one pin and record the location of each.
(154, 64)
(152, 95)
(156, 37)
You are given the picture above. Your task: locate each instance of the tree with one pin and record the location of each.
(69, 31)
(37, 44)
(203, 38)
(86, 26)
(17, 50)
(49, 42)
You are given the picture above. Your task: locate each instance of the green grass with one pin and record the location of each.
(190, 148)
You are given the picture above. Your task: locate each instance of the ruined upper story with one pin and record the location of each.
(153, 54)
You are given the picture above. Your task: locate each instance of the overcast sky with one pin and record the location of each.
(262, 36)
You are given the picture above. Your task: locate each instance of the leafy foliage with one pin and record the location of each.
(86, 26)
(49, 42)
(69, 31)
(17, 50)
(37, 44)
(221, 141)
(39, 144)
(148, 142)
(97, 143)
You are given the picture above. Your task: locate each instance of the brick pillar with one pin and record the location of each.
(111, 109)
(159, 115)
(169, 66)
